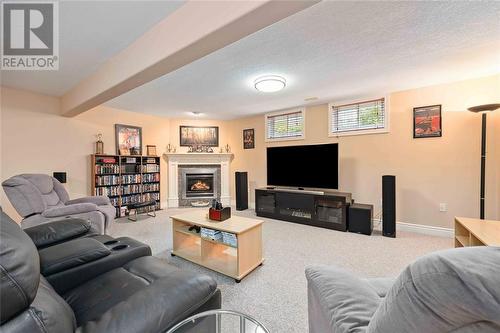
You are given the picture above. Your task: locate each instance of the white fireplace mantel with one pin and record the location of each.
(176, 159)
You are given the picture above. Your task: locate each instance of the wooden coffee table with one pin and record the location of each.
(235, 261)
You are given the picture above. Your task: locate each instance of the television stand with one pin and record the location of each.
(326, 209)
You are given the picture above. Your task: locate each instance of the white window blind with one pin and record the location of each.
(285, 125)
(368, 115)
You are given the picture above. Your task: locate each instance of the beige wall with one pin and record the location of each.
(429, 171)
(35, 138)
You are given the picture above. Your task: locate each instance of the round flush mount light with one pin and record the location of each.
(270, 83)
(197, 114)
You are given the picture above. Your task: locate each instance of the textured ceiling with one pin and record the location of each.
(332, 51)
(90, 33)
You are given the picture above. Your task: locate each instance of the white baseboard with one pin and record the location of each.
(420, 229)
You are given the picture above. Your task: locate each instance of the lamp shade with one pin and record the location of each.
(60, 176)
(484, 107)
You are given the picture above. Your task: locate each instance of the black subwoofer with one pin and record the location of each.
(241, 185)
(389, 206)
(360, 218)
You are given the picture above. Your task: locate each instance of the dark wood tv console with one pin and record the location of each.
(327, 209)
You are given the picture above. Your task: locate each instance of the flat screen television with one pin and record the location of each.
(313, 166)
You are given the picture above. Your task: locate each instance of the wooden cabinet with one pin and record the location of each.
(476, 232)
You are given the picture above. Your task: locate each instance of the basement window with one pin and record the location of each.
(364, 117)
(285, 125)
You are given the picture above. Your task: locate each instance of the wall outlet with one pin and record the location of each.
(443, 207)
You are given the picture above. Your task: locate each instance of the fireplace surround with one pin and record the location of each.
(193, 163)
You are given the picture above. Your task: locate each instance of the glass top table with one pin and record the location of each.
(219, 321)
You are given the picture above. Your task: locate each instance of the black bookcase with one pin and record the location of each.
(327, 210)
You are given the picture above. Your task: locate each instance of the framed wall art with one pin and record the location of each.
(427, 122)
(128, 138)
(249, 138)
(199, 136)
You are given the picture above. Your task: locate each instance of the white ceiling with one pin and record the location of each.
(333, 51)
(90, 32)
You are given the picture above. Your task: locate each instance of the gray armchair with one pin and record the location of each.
(41, 198)
(455, 290)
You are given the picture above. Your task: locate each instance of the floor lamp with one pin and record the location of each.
(483, 109)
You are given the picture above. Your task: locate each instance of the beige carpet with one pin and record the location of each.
(276, 293)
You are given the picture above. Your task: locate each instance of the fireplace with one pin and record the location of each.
(199, 185)
(180, 164)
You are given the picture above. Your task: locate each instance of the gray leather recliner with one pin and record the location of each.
(40, 198)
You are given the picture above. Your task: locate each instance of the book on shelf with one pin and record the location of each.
(150, 168)
(107, 180)
(151, 177)
(106, 168)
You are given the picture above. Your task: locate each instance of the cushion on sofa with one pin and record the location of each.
(453, 290)
(380, 285)
(346, 301)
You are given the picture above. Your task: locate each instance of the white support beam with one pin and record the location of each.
(194, 30)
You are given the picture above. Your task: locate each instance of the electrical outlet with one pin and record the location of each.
(443, 207)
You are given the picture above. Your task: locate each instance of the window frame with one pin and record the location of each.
(382, 130)
(302, 110)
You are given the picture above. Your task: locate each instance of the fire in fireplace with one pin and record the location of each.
(199, 185)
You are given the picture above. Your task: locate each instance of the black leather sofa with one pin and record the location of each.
(92, 284)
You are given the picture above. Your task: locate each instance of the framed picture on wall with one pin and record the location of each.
(128, 138)
(427, 122)
(199, 136)
(249, 138)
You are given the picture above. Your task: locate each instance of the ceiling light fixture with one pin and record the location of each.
(194, 113)
(270, 83)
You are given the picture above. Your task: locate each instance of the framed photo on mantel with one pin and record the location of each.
(427, 122)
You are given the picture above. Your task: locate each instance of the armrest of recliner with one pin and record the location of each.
(95, 199)
(70, 254)
(57, 231)
(70, 210)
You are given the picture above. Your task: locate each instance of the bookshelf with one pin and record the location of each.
(126, 179)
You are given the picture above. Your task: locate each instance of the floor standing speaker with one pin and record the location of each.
(241, 190)
(389, 206)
